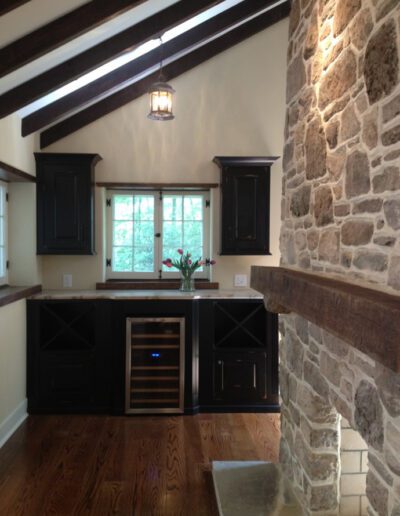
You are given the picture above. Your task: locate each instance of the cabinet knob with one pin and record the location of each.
(219, 362)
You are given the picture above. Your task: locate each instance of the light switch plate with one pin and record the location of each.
(240, 280)
(67, 280)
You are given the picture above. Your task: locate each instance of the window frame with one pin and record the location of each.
(4, 222)
(157, 274)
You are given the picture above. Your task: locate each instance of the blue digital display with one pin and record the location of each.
(155, 355)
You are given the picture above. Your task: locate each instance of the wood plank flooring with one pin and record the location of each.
(141, 466)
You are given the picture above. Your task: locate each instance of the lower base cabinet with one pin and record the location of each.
(240, 377)
(69, 357)
(238, 356)
(78, 360)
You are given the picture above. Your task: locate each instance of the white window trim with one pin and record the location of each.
(170, 274)
(4, 221)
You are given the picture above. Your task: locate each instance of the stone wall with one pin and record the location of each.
(341, 214)
(341, 203)
(320, 378)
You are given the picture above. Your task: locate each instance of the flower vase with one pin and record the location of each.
(187, 283)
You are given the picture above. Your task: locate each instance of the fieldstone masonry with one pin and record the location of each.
(341, 215)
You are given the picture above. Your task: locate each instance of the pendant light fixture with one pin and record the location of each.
(161, 94)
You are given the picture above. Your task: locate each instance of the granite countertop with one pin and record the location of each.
(148, 294)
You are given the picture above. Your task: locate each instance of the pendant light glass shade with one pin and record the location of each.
(161, 96)
(161, 101)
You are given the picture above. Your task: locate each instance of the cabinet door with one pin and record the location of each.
(64, 204)
(245, 211)
(240, 377)
(67, 381)
(69, 356)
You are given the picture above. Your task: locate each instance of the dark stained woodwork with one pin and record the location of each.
(163, 186)
(76, 354)
(126, 74)
(60, 31)
(8, 5)
(363, 316)
(238, 356)
(245, 204)
(11, 294)
(142, 465)
(11, 174)
(65, 203)
(153, 285)
(94, 57)
(174, 69)
(68, 356)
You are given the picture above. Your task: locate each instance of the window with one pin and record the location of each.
(146, 227)
(3, 234)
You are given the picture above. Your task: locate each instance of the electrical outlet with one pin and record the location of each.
(67, 280)
(240, 280)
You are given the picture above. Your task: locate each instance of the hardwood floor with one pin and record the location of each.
(142, 466)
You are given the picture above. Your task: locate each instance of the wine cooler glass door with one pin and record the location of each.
(155, 361)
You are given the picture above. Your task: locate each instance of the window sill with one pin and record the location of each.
(11, 294)
(153, 285)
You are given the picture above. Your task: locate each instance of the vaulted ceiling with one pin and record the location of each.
(62, 69)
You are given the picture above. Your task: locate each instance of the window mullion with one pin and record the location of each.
(158, 230)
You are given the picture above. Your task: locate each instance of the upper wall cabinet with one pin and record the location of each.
(65, 203)
(245, 201)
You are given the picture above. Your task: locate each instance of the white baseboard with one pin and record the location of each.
(13, 421)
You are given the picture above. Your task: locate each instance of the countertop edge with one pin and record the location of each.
(10, 294)
(146, 294)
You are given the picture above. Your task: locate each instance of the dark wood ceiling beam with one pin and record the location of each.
(125, 74)
(94, 57)
(60, 31)
(8, 5)
(174, 69)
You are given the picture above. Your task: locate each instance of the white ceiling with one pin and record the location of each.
(32, 15)
(79, 44)
(130, 56)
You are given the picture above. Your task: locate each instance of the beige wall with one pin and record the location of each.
(222, 108)
(12, 358)
(25, 266)
(15, 150)
(24, 270)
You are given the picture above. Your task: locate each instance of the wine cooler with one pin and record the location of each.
(155, 363)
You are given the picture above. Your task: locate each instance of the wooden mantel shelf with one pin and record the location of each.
(365, 317)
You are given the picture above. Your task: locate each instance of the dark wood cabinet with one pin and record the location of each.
(240, 377)
(65, 203)
(227, 359)
(69, 366)
(238, 349)
(245, 201)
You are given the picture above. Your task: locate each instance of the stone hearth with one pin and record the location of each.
(324, 379)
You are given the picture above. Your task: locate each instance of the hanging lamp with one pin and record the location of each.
(160, 94)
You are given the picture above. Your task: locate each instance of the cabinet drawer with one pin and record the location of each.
(240, 377)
